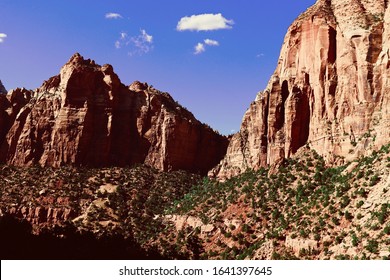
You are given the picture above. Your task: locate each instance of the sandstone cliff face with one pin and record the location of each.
(331, 89)
(86, 116)
(42, 216)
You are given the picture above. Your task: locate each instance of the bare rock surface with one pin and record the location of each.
(330, 89)
(86, 116)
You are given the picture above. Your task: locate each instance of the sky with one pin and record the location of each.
(212, 56)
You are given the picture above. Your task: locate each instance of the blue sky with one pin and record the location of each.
(212, 56)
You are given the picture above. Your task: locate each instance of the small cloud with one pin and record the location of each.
(123, 35)
(233, 131)
(122, 40)
(141, 44)
(204, 22)
(199, 48)
(146, 37)
(260, 55)
(2, 37)
(210, 42)
(113, 16)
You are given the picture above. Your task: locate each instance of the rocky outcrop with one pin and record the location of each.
(299, 244)
(10, 107)
(330, 90)
(86, 116)
(41, 216)
(183, 222)
(2, 88)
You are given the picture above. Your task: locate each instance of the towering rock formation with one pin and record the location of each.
(331, 89)
(2, 88)
(86, 116)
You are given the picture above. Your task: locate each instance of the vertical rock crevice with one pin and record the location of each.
(332, 78)
(86, 116)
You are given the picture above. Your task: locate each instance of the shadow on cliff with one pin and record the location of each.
(19, 243)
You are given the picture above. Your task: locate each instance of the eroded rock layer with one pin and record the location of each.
(331, 89)
(86, 116)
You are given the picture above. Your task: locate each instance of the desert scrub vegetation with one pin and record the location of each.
(304, 200)
(118, 200)
(299, 209)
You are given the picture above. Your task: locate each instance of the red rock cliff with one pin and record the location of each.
(331, 89)
(86, 116)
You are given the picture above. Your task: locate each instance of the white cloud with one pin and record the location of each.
(141, 44)
(146, 37)
(123, 35)
(204, 22)
(2, 37)
(113, 16)
(123, 40)
(210, 42)
(259, 55)
(199, 48)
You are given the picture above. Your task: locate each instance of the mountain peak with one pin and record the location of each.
(86, 116)
(2, 88)
(78, 59)
(329, 90)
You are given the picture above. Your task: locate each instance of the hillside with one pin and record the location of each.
(89, 164)
(100, 206)
(299, 209)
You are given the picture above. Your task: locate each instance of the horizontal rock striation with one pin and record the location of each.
(86, 116)
(41, 216)
(330, 89)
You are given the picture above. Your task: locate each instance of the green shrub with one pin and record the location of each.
(343, 257)
(359, 204)
(348, 216)
(374, 180)
(355, 240)
(372, 246)
(387, 229)
(335, 221)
